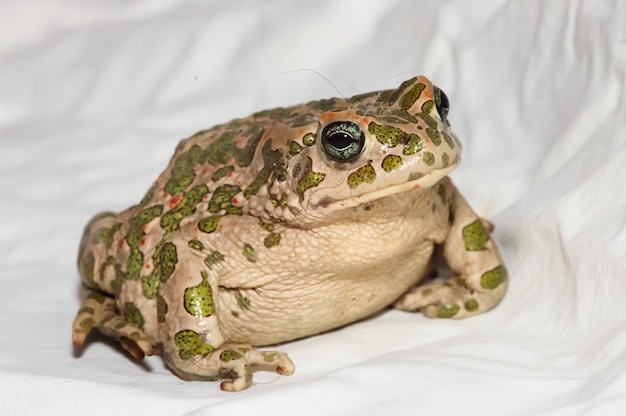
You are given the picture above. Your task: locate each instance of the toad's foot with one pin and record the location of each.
(99, 311)
(451, 298)
(234, 363)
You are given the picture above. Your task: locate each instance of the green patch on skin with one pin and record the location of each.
(247, 373)
(427, 292)
(445, 159)
(413, 145)
(161, 308)
(199, 299)
(279, 113)
(165, 259)
(274, 168)
(222, 172)
(120, 325)
(134, 236)
(183, 170)
(391, 163)
(323, 105)
(388, 118)
(434, 136)
(428, 158)
(249, 253)
(274, 160)
(134, 264)
(270, 357)
(401, 116)
(475, 236)
(294, 148)
(356, 99)
(271, 240)
(303, 120)
(87, 310)
(224, 148)
(186, 206)
(222, 199)
(135, 336)
(493, 278)
(267, 226)
(309, 139)
(209, 224)
(309, 178)
(110, 261)
(411, 96)
(195, 245)
(284, 199)
(190, 344)
(261, 179)
(148, 196)
(447, 310)
(230, 355)
(243, 301)
(89, 263)
(387, 135)
(87, 324)
(97, 296)
(471, 305)
(364, 174)
(391, 96)
(428, 119)
(133, 315)
(89, 227)
(105, 235)
(428, 106)
(118, 281)
(150, 285)
(213, 258)
(448, 139)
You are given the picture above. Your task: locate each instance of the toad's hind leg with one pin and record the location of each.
(194, 346)
(99, 311)
(481, 277)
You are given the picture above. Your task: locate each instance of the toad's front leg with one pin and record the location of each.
(192, 358)
(481, 277)
(193, 345)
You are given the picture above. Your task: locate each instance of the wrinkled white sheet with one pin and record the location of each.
(94, 96)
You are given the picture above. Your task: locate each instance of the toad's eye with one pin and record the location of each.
(442, 103)
(342, 141)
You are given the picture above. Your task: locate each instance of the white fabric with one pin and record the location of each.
(94, 96)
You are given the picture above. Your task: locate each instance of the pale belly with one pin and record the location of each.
(334, 274)
(305, 304)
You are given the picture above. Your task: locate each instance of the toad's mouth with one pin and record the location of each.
(356, 199)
